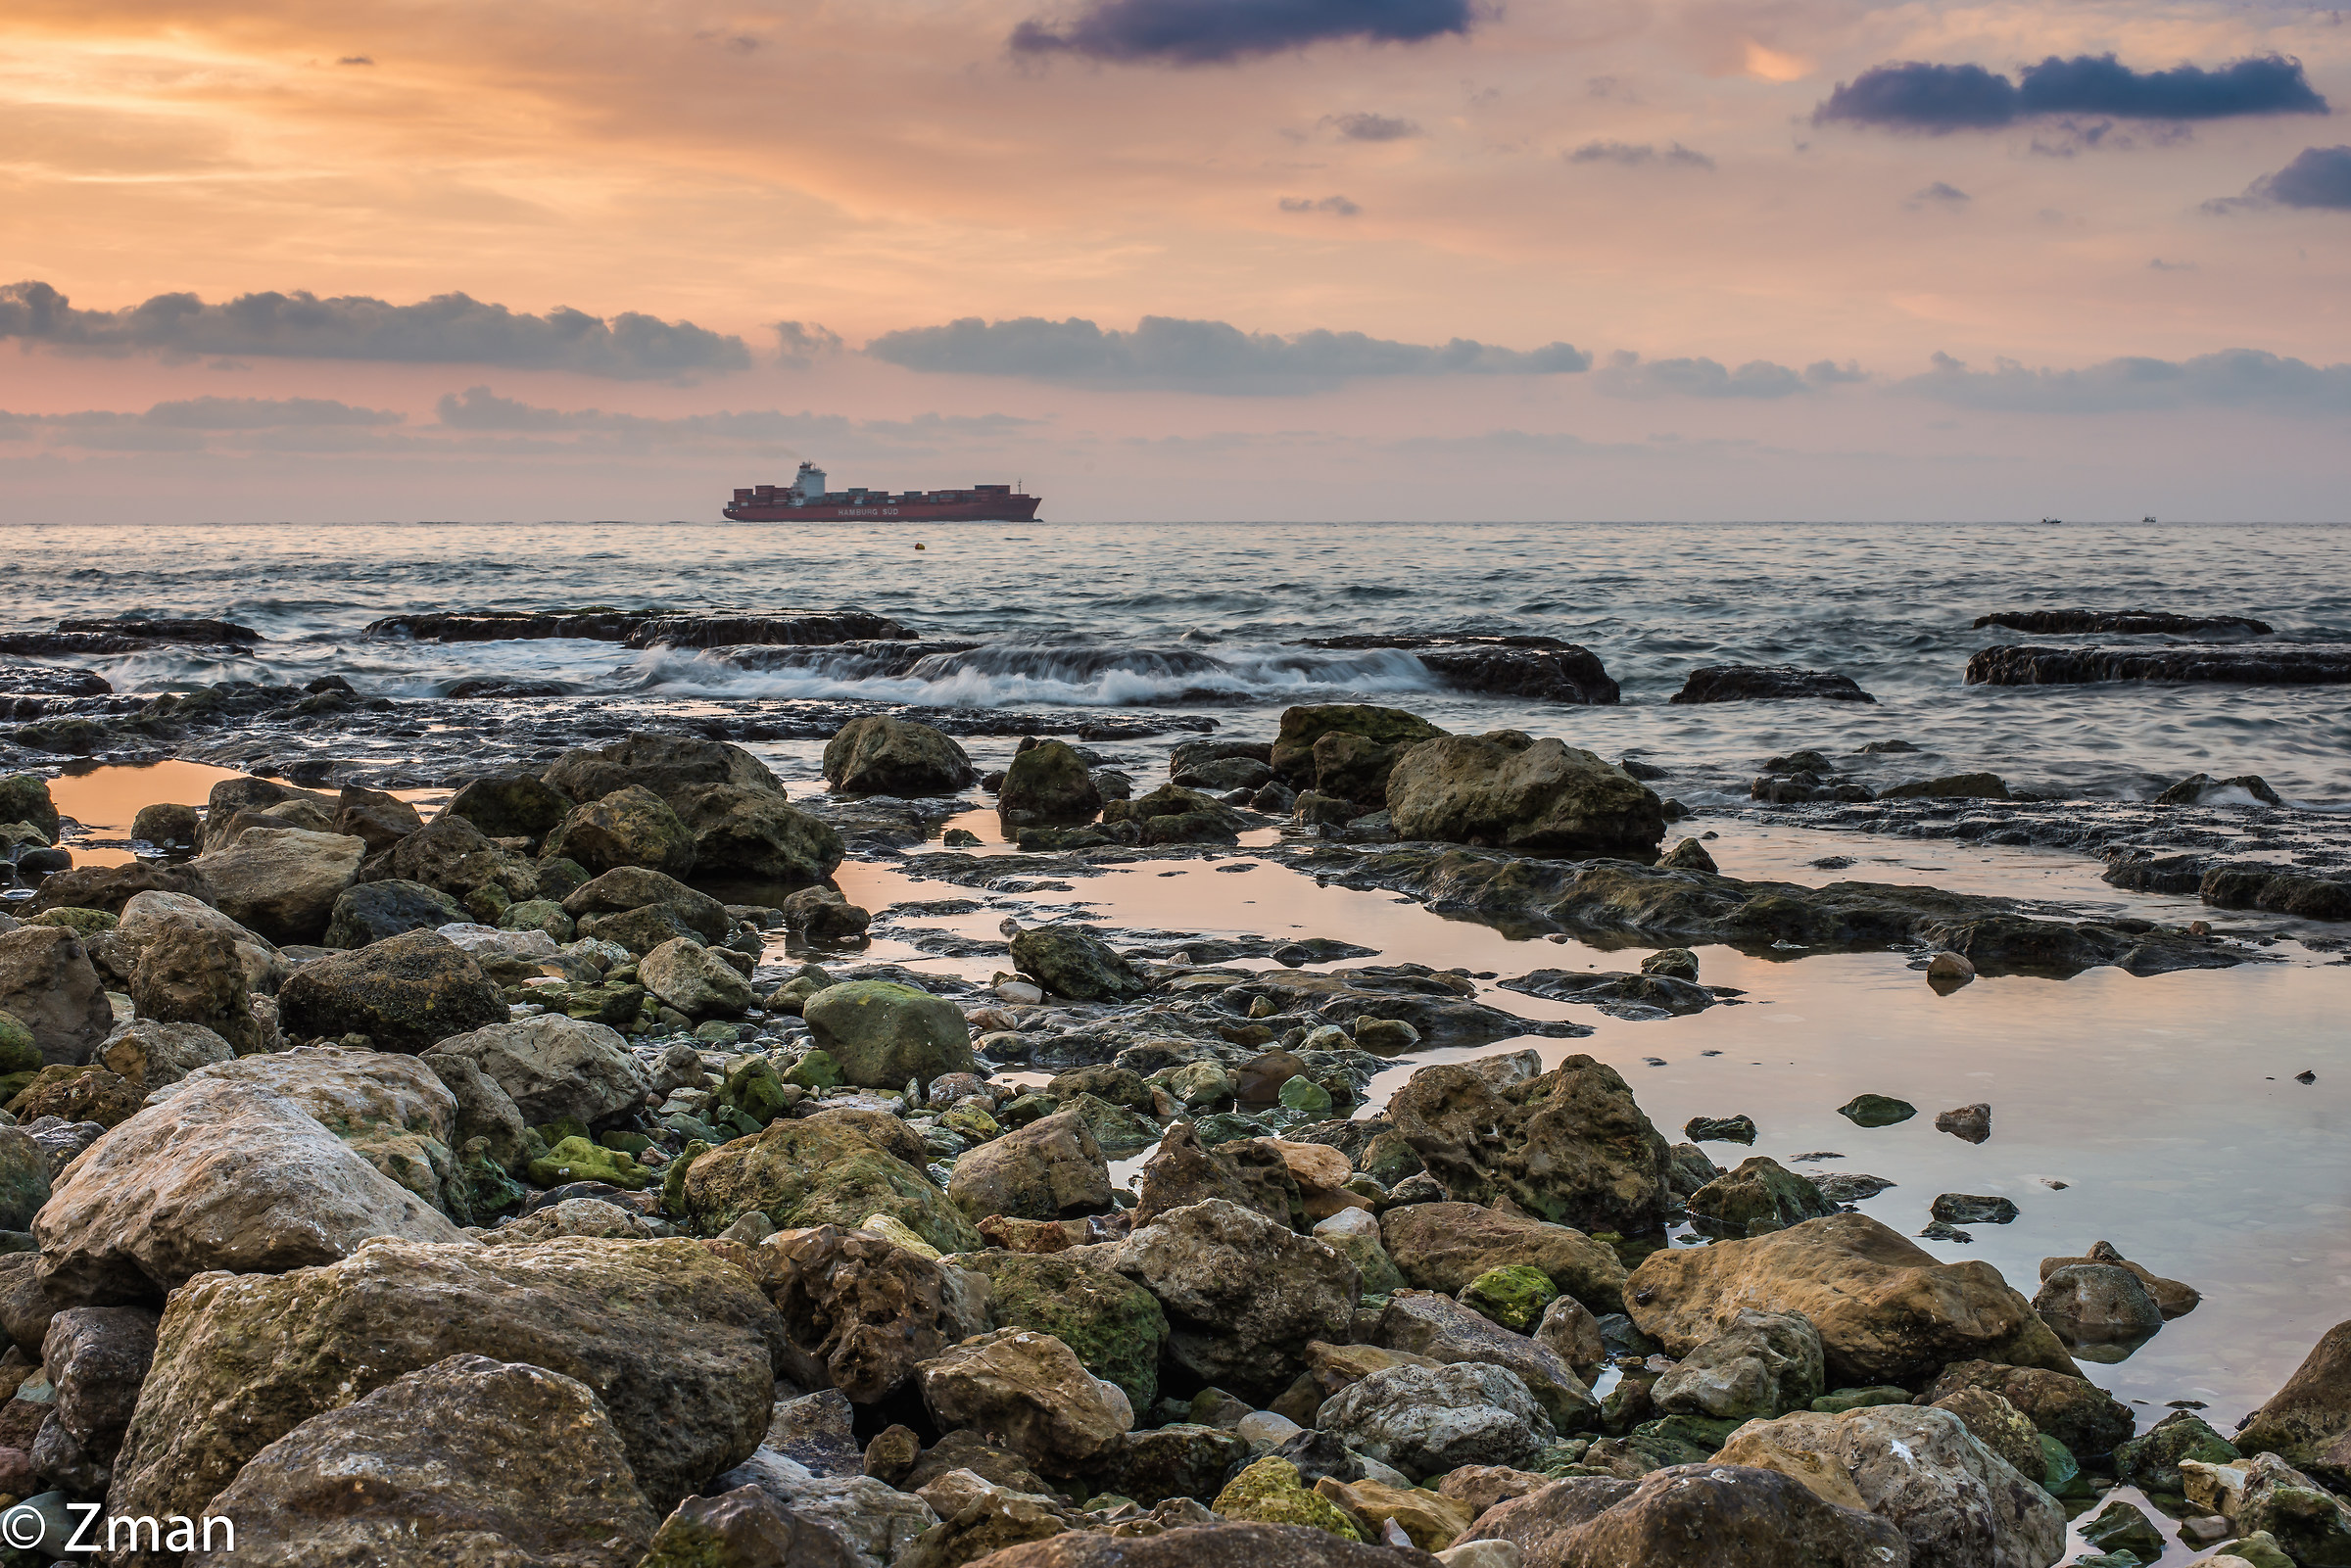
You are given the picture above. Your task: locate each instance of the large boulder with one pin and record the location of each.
(1072, 961)
(1689, 1516)
(192, 973)
(632, 827)
(281, 882)
(145, 913)
(1886, 1311)
(1427, 1421)
(1244, 1295)
(1183, 1172)
(218, 1176)
(96, 1357)
(108, 888)
(1442, 1247)
(879, 755)
(452, 855)
(1114, 1326)
(819, 1172)
(1534, 796)
(1764, 1365)
(674, 1341)
(404, 993)
(466, 1460)
(859, 1312)
(392, 1110)
(2307, 1420)
(629, 887)
(1049, 1170)
(1029, 1392)
(1294, 754)
(25, 798)
(510, 805)
(246, 795)
(2090, 1422)
(665, 764)
(49, 984)
(1441, 1330)
(882, 1033)
(1048, 784)
(753, 835)
(555, 1068)
(1569, 1146)
(1956, 1503)
(376, 819)
(369, 912)
(698, 982)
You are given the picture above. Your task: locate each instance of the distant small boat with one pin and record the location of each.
(2147, 519)
(2053, 522)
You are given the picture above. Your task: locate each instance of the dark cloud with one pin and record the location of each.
(1917, 95)
(1628, 375)
(800, 343)
(188, 424)
(1194, 32)
(2233, 378)
(1944, 192)
(448, 328)
(1371, 127)
(481, 410)
(1197, 355)
(263, 413)
(1338, 204)
(354, 60)
(1637, 155)
(1829, 373)
(2319, 176)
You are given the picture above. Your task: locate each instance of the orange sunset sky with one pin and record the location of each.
(1780, 259)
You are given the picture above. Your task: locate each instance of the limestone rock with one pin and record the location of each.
(667, 765)
(1764, 1365)
(1447, 1332)
(404, 993)
(630, 827)
(2071, 1409)
(628, 887)
(147, 913)
(23, 1178)
(1243, 1295)
(882, 1033)
(392, 1110)
(1533, 796)
(690, 977)
(190, 975)
(369, 912)
(2000, 1427)
(47, 982)
(553, 1069)
(96, 1357)
(2172, 1297)
(1221, 1545)
(1442, 1247)
(510, 805)
(823, 1170)
(2305, 1421)
(2097, 1304)
(744, 1529)
(1115, 1327)
(1070, 960)
(879, 755)
(281, 882)
(1717, 1515)
(1049, 1170)
(755, 836)
(1268, 1492)
(1182, 1172)
(1427, 1421)
(1029, 1392)
(1758, 1197)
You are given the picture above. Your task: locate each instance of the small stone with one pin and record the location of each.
(1720, 1129)
(1964, 1209)
(1303, 1093)
(1876, 1111)
(1947, 972)
(1972, 1122)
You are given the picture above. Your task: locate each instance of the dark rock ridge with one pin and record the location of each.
(1540, 667)
(1749, 683)
(2058, 623)
(165, 628)
(640, 629)
(1680, 907)
(2264, 664)
(32, 690)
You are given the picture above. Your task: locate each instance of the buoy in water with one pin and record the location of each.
(918, 546)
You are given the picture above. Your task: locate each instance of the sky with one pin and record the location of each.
(1166, 260)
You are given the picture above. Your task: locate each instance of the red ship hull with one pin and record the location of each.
(993, 509)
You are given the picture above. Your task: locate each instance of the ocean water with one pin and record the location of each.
(1210, 617)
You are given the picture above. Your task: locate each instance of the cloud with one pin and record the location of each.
(478, 409)
(1195, 32)
(800, 343)
(1943, 194)
(354, 60)
(265, 414)
(1917, 95)
(448, 328)
(1628, 375)
(1829, 373)
(1639, 154)
(1338, 204)
(1197, 355)
(2233, 378)
(1370, 127)
(2318, 177)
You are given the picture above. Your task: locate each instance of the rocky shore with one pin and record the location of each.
(554, 1182)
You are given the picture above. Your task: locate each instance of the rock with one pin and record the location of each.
(631, 887)
(1444, 1331)
(510, 805)
(96, 1357)
(24, 798)
(1958, 1505)
(281, 883)
(1759, 1197)
(1765, 1364)
(551, 1069)
(1217, 1545)
(1182, 1459)
(2150, 1461)
(76, 1094)
(1876, 1111)
(2073, 1410)
(146, 915)
(1514, 1297)
(879, 755)
(755, 835)
(819, 1172)
(23, 1179)
(882, 1033)
(1720, 1129)
(744, 1529)
(2306, 1421)
(1046, 785)
(2172, 1297)
(190, 976)
(821, 915)
(666, 764)
(574, 1160)
(1026, 1390)
(576, 1217)
(1956, 786)
(1049, 1170)
(369, 912)
(376, 819)
(1972, 1122)
(1427, 1421)
(1070, 960)
(1182, 1172)
(2248, 664)
(167, 827)
(673, 1341)
(405, 993)
(48, 985)
(1535, 798)
(220, 1175)
(1886, 1310)
(110, 887)
(1569, 1331)
(1442, 1247)
(2309, 1524)
(1243, 1294)
(688, 976)
(630, 826)
(2062, 622)
(859, 1313)
(1747, 683)
(1269, 1493)
(1293, 753)
(390, 1109)
(2097, 1304)
(1569, 1146)
(1114, 1326)
(1689, 1516)
(1966, 1208)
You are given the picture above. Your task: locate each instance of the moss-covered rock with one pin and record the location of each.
(1048, 784)
(1269, 1493)
(1113, 1325)
(1758, 1197)
(24, 798)
(80, 922)
(79, 1094)
(1294, 744)
(753, 1089)
(630, 826)
(1070, 960)
(19, 1052)
(814, 1070)
(575, 1159)
(1514, 1297)
(811, 1172)
(539, 915)
(882, 1033)
(2150, 1461)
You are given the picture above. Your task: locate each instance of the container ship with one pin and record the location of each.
(807, 500)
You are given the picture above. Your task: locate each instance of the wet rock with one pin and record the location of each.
(1952, 787)
(281, 883)
(450, 854)
(2000, 1427)
(819, 1172)
(1876, 1111)
(1436, 1003)
(1292, 755)
(168, 827)
(883, 1035)
(2062, 622)
(1427, 1421)
(2150, 1461)
(1955, 1503)
(405, 993)
(1761, 1196)
(1720, 1129)
(1966, 1208)
(1539, 796)
(2201, 789)
(1072, 961)
(630, 826)
(373, 911)
(1048, 784)
(48, 985)
(510, 805)
(2309, 1523)
(755, 835)
(673, 1341)
(2097, 1304)
(24, 798)
(1747, 683)
(2248, 664)
(550, 1069)
(1449, 1333)
(1569, 1146)
(1027, 1391)
(110, 888)
(1689, 1516)
(1243, 1294)
(1886, 1310)
(1174, 815)
(821, 915)
(1634, 996)
(1051, 1169)
(2073, 1410)
(1272, 1492)
(1514, 1297)
(665, 764)
(220, 1176)
(2277, 889)
(1765, 1364)
(23, 1179)
(689, 977)
(1972, 1122)
(633, 887)
(879, 755)
(376, 819)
